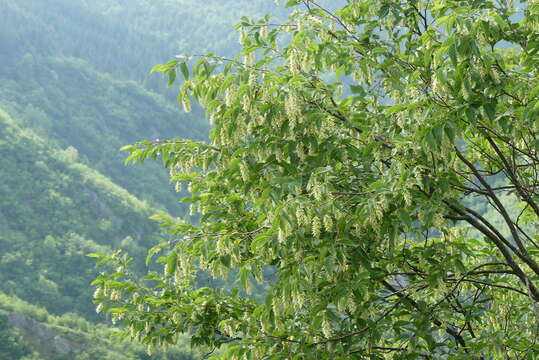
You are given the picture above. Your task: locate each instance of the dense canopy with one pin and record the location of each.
(375, 167)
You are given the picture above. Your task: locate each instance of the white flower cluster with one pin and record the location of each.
(117, 317)
(299, 25)
(98, 292)
(328, 223)
(316, 191)
(301, 217)
(186, 103)
(177, 278)
(263, 32)
(294, 62)
(252, 80)
(249, 59)
(230, 95)
(327, 330)
(99, 308)
(281, 236)
(223, 139)
(315, 20)
(298, 300)
(316, 227)
(407, 195)
(276, 306)
(115, 295)
(351, 304)
(244, 172)
(243, 36)
(246, 103)
(412, 92)
(292, 109)
(328, 129)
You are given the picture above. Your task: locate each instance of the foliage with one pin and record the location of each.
(69, 103)
(75, 80)
(345, 148)
(12, 346)
(208, 23)
(53, 211)
(29, 332)
(71, 75)
(122, 38)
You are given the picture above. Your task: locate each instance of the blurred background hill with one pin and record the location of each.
(75, 87)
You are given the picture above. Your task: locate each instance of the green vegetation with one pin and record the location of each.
(78, 74)
(74, 88)
(123, 38)
(68, 102)
(56, 210)
(12, 344)
(348, 152)
(368, 188)
(66, 337)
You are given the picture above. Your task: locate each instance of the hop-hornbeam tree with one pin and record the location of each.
(376, 167)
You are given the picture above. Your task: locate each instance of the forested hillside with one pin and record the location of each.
(31, 333)
(78, 73)
(125, 38)
(54, 211)
(68, 102)
(367, 188)
(75, 87)
(381, 160)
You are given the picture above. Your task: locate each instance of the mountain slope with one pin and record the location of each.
(78, 73)
(74, 88)
(30, 331)
(127, 37)
(67, 101)
(53, 211)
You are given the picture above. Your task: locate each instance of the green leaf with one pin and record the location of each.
(154, 250)
(171, 76)
(225, 260)
(172, 260)
(291, 3)
(126, 147)
(450, 131)
(158, 68)
(490, 110)
(184, 70)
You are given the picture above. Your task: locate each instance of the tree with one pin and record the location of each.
(377, 167)
(12, 344)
